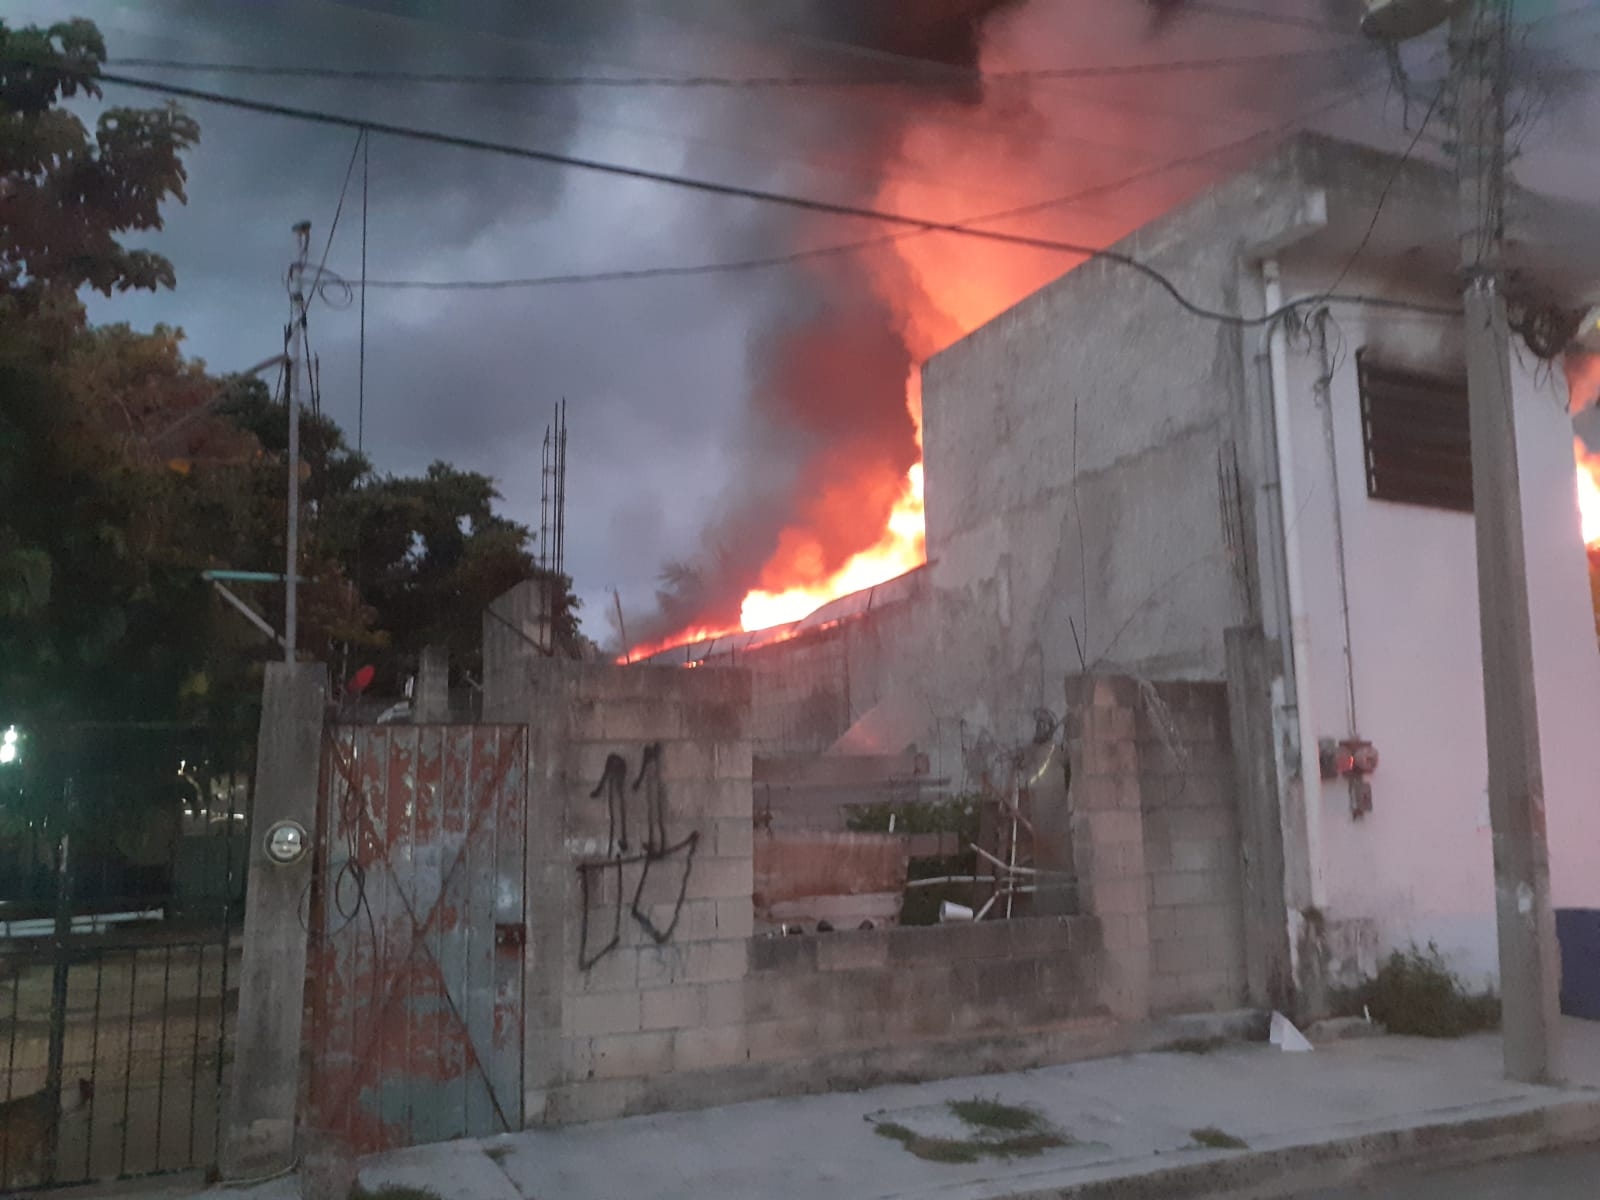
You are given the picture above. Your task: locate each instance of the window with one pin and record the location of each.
(1416, 437)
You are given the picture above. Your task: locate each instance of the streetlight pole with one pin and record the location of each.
(297, 334)
(1529, 963)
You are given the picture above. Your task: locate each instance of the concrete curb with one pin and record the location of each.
(1530, 1127)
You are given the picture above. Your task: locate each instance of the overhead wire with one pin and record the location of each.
(1383, 196)
(713, 187)
(1342, 96)
(708, 82)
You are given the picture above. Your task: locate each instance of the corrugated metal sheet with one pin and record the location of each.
(416, 965)
(845, 608)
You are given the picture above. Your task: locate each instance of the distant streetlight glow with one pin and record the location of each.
(9, 746)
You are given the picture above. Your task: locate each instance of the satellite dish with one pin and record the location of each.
(1397, 20)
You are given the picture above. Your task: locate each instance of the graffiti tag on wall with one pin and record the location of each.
(654, 852)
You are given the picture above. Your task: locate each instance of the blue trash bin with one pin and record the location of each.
(1578, 932)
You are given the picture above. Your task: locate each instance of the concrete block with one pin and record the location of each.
(617, 971)
(595, 1100)
(778, 953)
(724, 1002)
(714, 1046)
(733, 838)
(696, 920)
(632, 724)
(692, 761)
(1169, 890)
(662, 966)
(632, 1055)
(672, 1008)
(722, 878)
(1166, 924)
(577, 1058)
(1120, 827)
(723, 798)
(715, 720)
(603, 1013)
(782, 1038)
(1098, 793)
(1198, 824)
(1126, 895)
(853, 949)
(1208, 855)
(1004, 979)
(716, 962)
(1219, 921)
(735, 917)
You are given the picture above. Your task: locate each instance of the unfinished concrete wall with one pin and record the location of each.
(648, 987)
(1155, 841)
(1088, 460)
(628, 941)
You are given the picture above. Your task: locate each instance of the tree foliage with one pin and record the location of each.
(126, 469)
(68, 197)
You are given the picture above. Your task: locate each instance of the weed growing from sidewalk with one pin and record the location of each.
(392, 1192)
(992, 1114)
(1195, 1045)
(999, 1131)
(1416, 994)
(1213, 1138)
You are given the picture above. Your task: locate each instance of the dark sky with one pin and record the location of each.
(685, 442)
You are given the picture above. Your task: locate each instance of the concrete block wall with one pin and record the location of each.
(599, 1021)
(1191, 849)
(1155, 841)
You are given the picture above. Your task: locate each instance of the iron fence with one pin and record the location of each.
(121, 901)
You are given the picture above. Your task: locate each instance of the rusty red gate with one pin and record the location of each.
(416, 920)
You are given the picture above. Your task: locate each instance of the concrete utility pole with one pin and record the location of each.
(1529, 963)
(297, 342)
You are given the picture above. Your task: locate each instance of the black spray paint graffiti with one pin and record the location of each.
(593, 875)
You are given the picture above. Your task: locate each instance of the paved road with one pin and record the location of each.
(1573, 1176)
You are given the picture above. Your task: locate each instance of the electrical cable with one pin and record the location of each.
(361, 338)
(333, 226)
(711, 187)
(1383, 196)
(1343, 96)
(695, 82)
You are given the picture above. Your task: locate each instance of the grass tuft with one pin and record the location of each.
(1003, 1131)
(1213, 1138)
(1417, 995)
(392, 1192)
(992, 1114)
(1195, 1045)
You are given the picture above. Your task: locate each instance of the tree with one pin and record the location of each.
(429, 555)
(67, 198)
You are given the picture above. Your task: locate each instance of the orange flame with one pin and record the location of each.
(899, 550)
(1588, 492)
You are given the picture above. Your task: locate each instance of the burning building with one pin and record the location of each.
(1119, 484)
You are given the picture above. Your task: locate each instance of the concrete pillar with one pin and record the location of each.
(1268, 966)
(259, 1137)
(430, 702)
(1108, 834)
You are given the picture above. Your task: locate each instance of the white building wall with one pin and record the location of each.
(1420, 864)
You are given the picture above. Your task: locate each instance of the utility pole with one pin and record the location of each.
(297, 341)
(1529, 964)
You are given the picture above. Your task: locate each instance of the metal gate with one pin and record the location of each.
(121, 892)
(417, 919)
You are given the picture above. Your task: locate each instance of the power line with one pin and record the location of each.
(361, 137)
(1383, 196)
(952, 74)
(711, 187)
(1342, 96)
(361, 342)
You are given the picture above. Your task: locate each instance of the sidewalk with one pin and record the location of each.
(1323, 1117)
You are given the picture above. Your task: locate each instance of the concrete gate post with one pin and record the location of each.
(259, 1135)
